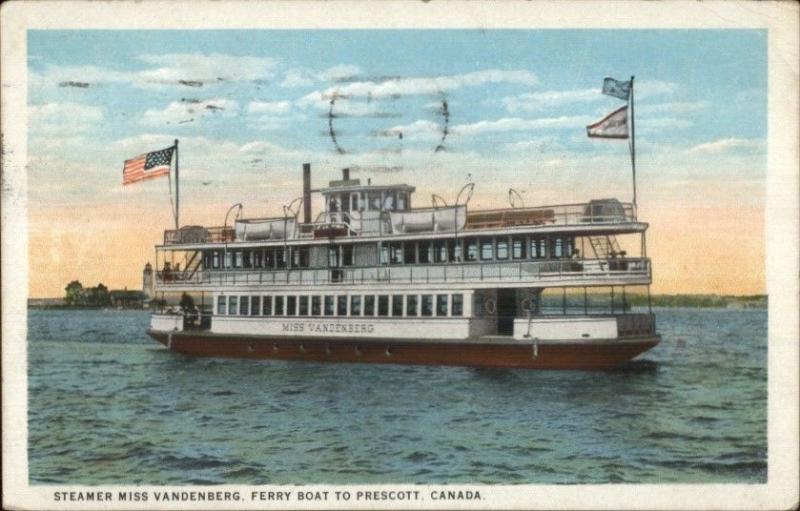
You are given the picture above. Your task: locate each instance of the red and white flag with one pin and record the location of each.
(146, 166)
(613, 125)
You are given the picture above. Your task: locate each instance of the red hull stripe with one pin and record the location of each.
(592, 356)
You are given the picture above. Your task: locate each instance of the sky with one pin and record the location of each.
(250, 106)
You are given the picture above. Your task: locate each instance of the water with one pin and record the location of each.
(107, 405)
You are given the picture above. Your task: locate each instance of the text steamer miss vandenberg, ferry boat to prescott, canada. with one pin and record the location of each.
(371, 279)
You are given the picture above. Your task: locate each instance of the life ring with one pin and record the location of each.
(525, 304)
(490, 306)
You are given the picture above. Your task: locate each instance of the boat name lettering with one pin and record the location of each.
(351, 328)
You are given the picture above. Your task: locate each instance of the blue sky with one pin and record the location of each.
(250, 106)
(508, 91)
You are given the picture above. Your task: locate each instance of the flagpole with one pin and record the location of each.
(633, 148)
(178, 190)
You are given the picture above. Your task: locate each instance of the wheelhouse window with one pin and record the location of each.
(369, 305)
(233, 305)
(471, 249)
(396, 253)
(558, 248)
(255, 305)
(215, 259)
(411, 305)
(502, 248)
(402, 201)
(328, 305)
(291, 305)
(355, 305)
(279, 306)
(441, 305)
(518, 248)
(341, 305)
(300, 257)
(538, 248)
(280, 258)
(427, 305)
(425, 252)
(457, 308)
(244, 309)
(384, 254)
(222, 305)
(410, 252)
(303, 306)
(355, 202)
(487, 250)
(374, 199)
(441, 251)
(267, 306)
(316, 308)
(397, 305)
(347, 255)
(383, 305)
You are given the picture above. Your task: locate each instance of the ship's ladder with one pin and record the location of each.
(605, 246)
(192, 265)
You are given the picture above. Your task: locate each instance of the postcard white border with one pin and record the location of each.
(779, 18)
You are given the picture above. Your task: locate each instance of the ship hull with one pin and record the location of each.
(595, 354)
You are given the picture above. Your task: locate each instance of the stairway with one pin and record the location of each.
(604, 246)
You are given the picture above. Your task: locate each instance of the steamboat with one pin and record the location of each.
(373, 279)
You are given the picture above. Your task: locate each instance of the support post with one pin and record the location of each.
(177, 189)
(633, 147)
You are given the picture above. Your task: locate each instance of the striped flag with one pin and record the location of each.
(616, 88)
(613, 125)
(147, 166)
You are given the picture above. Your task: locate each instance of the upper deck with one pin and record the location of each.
(606, 216)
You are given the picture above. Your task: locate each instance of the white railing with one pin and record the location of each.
(633, 269)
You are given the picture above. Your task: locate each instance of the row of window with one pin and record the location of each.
(388, 200)
(441, 305)
(399, 252)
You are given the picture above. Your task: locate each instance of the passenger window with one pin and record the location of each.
(222, 305)
(233, 305)
(472, 249)
(279, 306)
(518, 248)
(267, 306)
(304, 306)
(245, 308)
(427, 305)
(383, 305)
(315, 306)
(486, 250)
(369, 305)
(341, 305)
(411, 305)
(328, 305)
(458, 305)
(355, 305)
(397, 305)
(441, 305)
(291, 305)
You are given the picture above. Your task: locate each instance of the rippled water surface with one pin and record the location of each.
(107, 405)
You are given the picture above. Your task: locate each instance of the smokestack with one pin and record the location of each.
(346, 174)
(306, 193)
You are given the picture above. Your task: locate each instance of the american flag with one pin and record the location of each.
(148, 165)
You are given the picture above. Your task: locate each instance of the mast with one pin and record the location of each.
(178, 190)
(633, 147)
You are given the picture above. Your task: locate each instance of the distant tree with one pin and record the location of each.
(75, 293)
(101, 295)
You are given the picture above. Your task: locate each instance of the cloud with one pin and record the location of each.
(269, 107)
(660, 123)
(397, 87)
(725, 145)
(647, 88)
(180, 112)
(675, 107)
(65, 117)
(305, 77)
(517, 124)
(540, 144)
(533, 101)
(205, 68)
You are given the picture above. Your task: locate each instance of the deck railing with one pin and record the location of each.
(612, 270)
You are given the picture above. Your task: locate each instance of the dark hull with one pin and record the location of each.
(580, 354)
